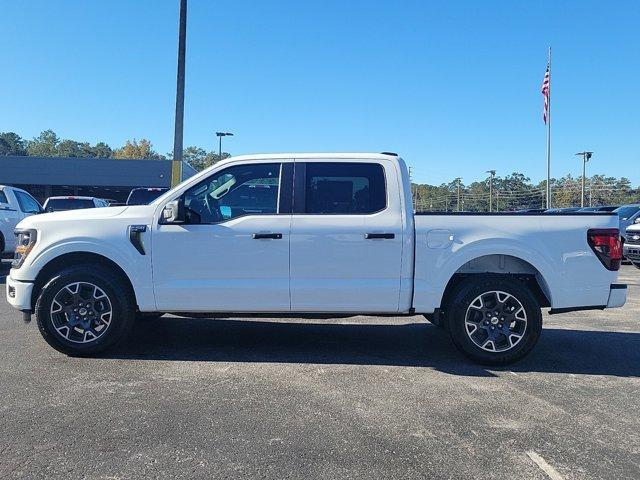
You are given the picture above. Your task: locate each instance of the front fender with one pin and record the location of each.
(137, 267)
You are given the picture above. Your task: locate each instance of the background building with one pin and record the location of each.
(96, 177)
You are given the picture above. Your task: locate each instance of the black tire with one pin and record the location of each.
(507, 347)
(121, 301)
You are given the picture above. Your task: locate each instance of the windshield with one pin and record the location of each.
(628, 211)
(59, 204)
(144, 196)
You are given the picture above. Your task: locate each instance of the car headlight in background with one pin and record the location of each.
(25, 241)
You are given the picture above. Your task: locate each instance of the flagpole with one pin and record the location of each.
(549, 138)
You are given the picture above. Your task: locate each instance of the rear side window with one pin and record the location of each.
(3, 197)
(344, 188)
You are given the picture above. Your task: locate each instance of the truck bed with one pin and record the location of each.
(551, 247)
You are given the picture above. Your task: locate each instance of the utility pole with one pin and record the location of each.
(497, 200)
(176, 166)
(586, 156)
(458, 187)
(492, 173)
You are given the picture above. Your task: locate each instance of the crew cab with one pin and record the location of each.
(315, 235)
(15, 204)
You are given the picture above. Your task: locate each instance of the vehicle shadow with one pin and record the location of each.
(409, 345)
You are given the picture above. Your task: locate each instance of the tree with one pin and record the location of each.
(44, 145)
(101, 150)
(71, 148)
(134, 149)
(12, 144)
(200, 159)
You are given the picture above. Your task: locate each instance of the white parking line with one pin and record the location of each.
(551, 472)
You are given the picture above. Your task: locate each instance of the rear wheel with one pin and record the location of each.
(493, 319)
(84, 310)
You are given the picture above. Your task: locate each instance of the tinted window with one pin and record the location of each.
(59, 204)
(144, 196)
(348, 188)
(3, 197)
(27, 203)
(233, 192)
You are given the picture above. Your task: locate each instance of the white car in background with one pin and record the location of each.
(60, 204)
(15, 204)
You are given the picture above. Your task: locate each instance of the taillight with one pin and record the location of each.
(606, 244)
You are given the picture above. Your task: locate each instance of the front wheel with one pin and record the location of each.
(84, 310)
(493, 319)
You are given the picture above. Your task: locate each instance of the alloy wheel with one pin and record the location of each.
(496, 321)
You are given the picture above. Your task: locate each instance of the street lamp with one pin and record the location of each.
(492, 174)
(586, 156)
(220, 135)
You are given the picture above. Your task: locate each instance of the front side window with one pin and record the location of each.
(250, 189)
(27, 203)
(344, 188)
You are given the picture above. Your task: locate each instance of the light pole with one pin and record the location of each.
(220, 135)
(458, 185)
(586, 156)
(176, 166)
(492, 173)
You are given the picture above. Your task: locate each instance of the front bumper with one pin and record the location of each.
(19, 294)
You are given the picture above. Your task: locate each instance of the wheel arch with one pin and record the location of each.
(78, 258)
(502, 264)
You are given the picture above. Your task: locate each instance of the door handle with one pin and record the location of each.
(373, 236)
(263, 236)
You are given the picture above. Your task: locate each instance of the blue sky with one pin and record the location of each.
(454, 87)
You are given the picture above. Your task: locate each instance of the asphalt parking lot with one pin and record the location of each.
(356, 398)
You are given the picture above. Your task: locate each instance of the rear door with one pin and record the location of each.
(346, 237)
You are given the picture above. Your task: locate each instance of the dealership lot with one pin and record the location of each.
(358, 398)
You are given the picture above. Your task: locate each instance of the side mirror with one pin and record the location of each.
(173, 212)
(636, 221)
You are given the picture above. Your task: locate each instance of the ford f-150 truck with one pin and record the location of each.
(315, 235)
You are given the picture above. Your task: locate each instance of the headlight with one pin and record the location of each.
(25, 241)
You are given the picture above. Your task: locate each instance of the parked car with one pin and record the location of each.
(15, 205)
(338, 239)
(144, 196)
(601, 208)
(628, 214)
(532, 210)
(58, 204)
(563, 210)
(631, 246)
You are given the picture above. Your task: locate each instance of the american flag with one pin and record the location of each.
(545, 94)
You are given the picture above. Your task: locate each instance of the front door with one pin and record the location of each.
(232, 252)
(346, 238)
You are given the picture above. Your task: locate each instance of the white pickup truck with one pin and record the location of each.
(313, 235)
(15, 204)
